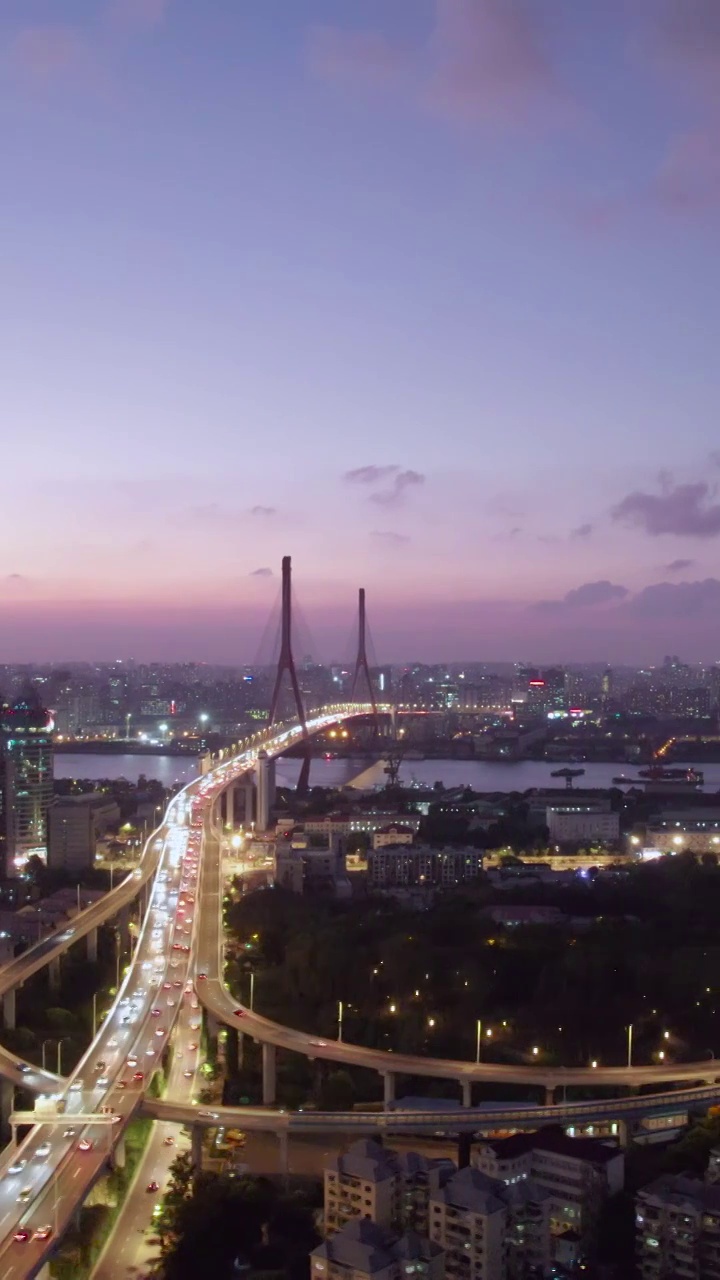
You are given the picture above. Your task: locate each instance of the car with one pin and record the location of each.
(149, 1053)
(169, 1141)
(319, 1044)
(69, 1133)
(21, 1235)
(176, 946)
(160, 1031)
(102, 1082)
(101, 1065)
(240, 1013)
(209, 1115)
(174, 964)
(121, 1084)
(132, 1060)
(43, 1150)
(176, 983)
(192, 1047)
(188, 1074)
(152, 1186)
(194, 1026)
(43, 1233)
(25, 1195)
(138, 1077)
(25, 1068)
(85, 1144)
(167, 986)
(112, 1044)
(202, 974)
(156, 1012)
(171, 1004)
(77, 1086)
(17, 1167)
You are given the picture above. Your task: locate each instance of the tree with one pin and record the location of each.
(337, 1092)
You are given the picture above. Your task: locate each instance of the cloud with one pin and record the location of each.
(261, 573)
(403, 481)
(370, 475)
(364, 57)
(582, 531)
(508, 537)
(587, 596)
(677, 599)
(482, 62)
(138, 13)
(15, 577)
(390, 538)
(263, 511)
(684, 510)
(48, 54)
(677, 566)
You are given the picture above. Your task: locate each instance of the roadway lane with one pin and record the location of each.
(128, 1250)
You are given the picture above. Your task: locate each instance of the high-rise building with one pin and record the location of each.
(265, 777)
(26, 748)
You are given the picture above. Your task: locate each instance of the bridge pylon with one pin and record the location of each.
(362, 667)
(286, 665)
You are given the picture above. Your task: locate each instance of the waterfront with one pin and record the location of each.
(481, 775)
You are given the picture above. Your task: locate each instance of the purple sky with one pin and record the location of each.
(425, 293)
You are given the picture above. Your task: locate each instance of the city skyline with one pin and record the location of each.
(411, 295)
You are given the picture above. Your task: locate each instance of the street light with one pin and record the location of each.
(535, 1051)
(629, 1044)
(60, 1043)
(252, 989)
(340, 1020)
(478, 1042)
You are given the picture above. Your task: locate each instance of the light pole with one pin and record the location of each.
(94, 1015)
(48, 1041)
(340, 1020)
(629, 1044)
(252, 989)
(478, 1045)
(60, 1043)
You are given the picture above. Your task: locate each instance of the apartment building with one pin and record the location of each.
(677, 1229)
(579, 1174)
(363, 1250)
(490, 1230)
(388, 1188)
(402, 865)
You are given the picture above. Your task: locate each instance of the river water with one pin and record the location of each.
(481, 775)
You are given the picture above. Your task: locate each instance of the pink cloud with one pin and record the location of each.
(44, 55)
(138, 13)
(364, 57)
(491, 63)
(484, 61)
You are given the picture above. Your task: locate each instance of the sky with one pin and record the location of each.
(424, 293)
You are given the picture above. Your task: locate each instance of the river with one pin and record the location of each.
(481, 775)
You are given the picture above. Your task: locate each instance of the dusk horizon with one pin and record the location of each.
(409, 295)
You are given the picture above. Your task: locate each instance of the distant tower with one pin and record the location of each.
(607, 687)
(265, 790)
(286, 661)
(27, 775)
(361, 662)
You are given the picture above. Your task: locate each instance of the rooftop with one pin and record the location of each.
(552, 1138)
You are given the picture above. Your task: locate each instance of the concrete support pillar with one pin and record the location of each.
(249, 796)
(44, 1272)
(7, 1101)
(230, 807)
(92, 946)
(8, 1001)
(124, 929)
(388, 1087)
(119, 1154)
(240, 1049)
(467, 1093)
(196, 1147)
(212, 1025)
(54, 973)
(269, 1075)
(549, 1095)
(623, 1134)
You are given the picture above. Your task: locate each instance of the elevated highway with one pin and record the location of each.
(179, 958)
